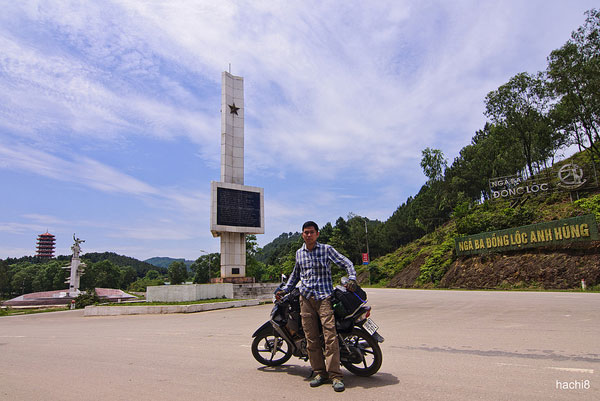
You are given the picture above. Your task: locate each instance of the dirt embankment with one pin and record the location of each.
(408, 276)
(539, 268)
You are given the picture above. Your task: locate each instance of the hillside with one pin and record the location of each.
(431, 261)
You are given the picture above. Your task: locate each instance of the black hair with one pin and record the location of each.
(310, 224)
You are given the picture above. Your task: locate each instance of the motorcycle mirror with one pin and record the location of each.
(283, 278)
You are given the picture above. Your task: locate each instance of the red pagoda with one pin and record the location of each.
(45, 245)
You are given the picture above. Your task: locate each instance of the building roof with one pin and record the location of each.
(62, 297)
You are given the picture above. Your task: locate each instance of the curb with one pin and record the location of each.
(93, 310)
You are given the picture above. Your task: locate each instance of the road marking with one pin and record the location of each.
(12, 336)
(576, 370)
(513, 364)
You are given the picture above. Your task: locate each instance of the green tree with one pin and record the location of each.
(152, 274)
(50, 276)
(104, 274)
(5, 279)
(488, 155)
(433, 164)
(177, 272)
(128, 276)
(201, 268)
(325, 233)
(574, 75)
(23, 275)
(520, 107)
(340, 236)
(254, 268)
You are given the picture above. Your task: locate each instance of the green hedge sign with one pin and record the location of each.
(581, 228)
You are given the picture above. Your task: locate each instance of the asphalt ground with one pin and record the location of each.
(440, 345)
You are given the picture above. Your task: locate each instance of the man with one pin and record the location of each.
(313, 267)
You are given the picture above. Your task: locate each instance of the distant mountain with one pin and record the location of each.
(165, 262)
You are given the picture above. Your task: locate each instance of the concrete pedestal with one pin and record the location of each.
(233, 280)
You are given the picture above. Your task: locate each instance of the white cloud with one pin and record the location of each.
(96, 175)
(340, 97)
(81, 170)
(351, 83)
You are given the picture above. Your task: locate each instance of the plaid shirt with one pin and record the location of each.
(313, 268)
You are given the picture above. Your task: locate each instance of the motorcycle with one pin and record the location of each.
(282, 336)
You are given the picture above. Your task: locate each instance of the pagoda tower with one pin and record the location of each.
(45, 245)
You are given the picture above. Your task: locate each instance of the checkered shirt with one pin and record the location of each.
(314, 269)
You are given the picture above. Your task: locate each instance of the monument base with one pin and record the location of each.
(233, 280)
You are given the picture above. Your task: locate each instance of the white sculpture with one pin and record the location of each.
(76, 268)
(75, 247)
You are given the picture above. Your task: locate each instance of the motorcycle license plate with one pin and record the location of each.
(370, 326)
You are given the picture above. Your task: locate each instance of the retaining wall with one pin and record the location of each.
(188, 292)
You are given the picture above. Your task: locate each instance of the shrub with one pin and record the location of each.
(487, 219)
(86, 299)
(435, 265)
(142, 284)
(590, 205)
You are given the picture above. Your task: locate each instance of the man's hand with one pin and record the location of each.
(351, 285)
(279, 294)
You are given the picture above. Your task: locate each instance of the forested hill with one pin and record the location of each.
(140, 267)
(532, 119)
(431, 261)
(279, 247)
(165, 262)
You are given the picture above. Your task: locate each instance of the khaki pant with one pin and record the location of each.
(311, 311)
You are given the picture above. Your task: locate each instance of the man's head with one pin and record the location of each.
(310, 233)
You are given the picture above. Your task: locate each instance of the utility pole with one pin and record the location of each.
(368, 255)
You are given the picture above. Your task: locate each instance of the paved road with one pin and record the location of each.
(440, 345)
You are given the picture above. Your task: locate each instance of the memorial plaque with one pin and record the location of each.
(238, 208)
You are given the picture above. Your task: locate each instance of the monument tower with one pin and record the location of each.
(236, 209)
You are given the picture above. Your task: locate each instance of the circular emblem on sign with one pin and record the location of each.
(571, 176)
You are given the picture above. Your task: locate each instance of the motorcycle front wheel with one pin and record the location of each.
(270, 349)
(368, 360)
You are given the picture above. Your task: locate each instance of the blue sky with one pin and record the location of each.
(110, 124)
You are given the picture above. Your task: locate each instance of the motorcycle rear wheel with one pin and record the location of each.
(270, 349)
(371, 355)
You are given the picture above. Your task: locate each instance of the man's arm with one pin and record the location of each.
(342, 261)
(293, 280)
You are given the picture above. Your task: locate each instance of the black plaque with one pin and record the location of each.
(238, 208)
